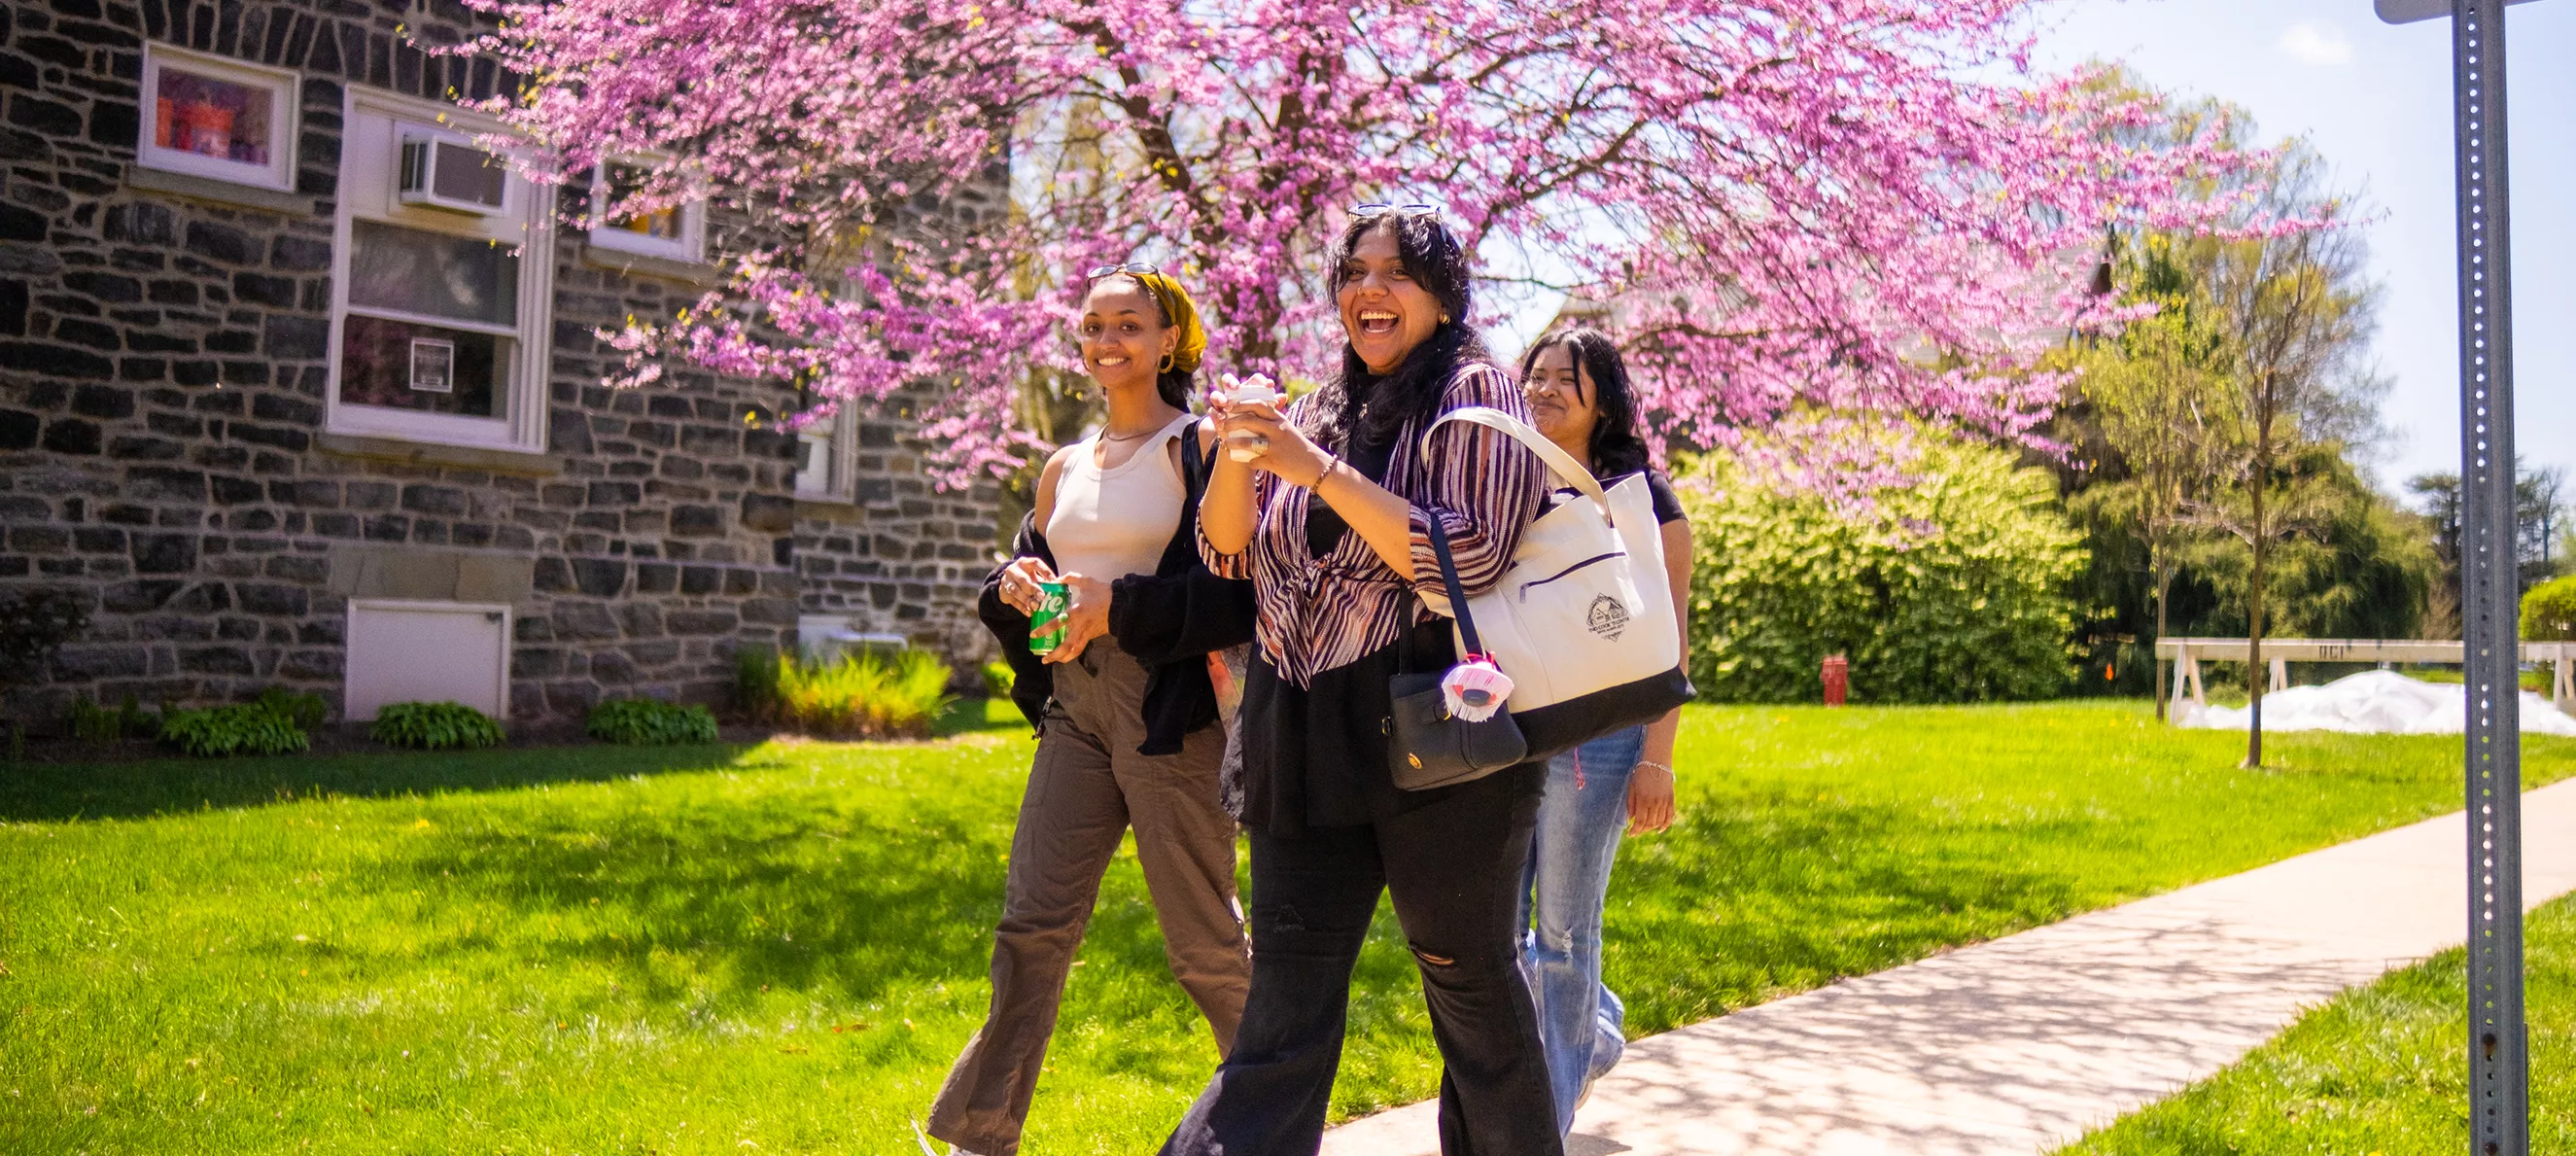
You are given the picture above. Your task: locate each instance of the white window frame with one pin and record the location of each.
(689, 248)
(375, 122)
(840, 454)
(285, 96)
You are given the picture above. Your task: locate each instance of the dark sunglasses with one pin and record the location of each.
(1131, 268)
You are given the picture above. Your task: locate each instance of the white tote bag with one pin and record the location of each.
(1583, 618)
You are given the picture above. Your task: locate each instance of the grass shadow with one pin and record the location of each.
(780, 889)
(60, 792)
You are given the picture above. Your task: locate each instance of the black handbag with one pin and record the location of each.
(1427, 746)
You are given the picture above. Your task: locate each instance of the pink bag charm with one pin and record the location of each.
(1475, 689)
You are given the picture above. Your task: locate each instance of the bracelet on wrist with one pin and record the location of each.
(1666, 768)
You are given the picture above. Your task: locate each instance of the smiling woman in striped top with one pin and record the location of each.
(1332, 524)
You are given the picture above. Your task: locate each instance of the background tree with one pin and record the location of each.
(2155, 428)
(2358, 566)
(2294, 313)
(2539, 518)
(1814, 191)
(2540, 505)
(2155, 395)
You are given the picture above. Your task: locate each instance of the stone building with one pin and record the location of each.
(295, 389)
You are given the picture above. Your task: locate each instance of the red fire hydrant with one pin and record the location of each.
(1837, 679)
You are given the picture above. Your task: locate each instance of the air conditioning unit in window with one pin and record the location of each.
(445, 173)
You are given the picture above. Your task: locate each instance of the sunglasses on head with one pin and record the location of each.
(1372, 209)
(1131, 268)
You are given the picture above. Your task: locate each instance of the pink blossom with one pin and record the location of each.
(1819, 217)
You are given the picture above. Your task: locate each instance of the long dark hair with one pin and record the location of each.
(1435, 261)
(1173, 384)
(1617, 448)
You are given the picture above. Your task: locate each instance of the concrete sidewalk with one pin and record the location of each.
(2016, 1046)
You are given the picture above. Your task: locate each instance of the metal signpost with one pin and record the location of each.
(2499, 1061)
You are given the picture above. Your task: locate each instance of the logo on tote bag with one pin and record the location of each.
(1608, 617)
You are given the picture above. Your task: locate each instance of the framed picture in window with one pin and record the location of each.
(433, 365)
(211, 117)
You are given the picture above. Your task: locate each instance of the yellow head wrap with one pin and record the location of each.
(1183, 315)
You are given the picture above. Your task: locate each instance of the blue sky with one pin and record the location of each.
(2376, 101)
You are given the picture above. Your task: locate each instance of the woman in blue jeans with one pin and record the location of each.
(1579, 397)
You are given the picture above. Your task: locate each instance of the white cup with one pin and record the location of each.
(1245, 445)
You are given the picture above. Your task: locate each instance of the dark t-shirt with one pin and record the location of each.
(1659, 492)
(1668, 505)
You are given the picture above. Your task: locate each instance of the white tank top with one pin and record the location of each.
(1112, 523)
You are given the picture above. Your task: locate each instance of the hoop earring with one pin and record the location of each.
(1165, 366)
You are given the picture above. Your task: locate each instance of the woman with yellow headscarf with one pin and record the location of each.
(1117, 683)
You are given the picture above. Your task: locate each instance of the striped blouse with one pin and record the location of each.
(1320, 613)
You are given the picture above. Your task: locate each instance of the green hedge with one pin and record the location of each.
(305, 710)
(646, 723)
(1952, 589)
(864, 695)
(91, 722)
(434, 726)
(251, 728)
(2549, 611)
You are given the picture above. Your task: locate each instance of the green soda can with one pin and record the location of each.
(1051, 599)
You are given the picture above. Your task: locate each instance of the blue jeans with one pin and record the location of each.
(1580, 820)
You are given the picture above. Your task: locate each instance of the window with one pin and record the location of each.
(825, 458)
(210, 117)
(440, 323)
(678, 233)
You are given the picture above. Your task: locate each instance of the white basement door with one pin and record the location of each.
(427, 652)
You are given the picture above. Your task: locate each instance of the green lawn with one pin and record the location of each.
(2381, 1070)
(779, 948)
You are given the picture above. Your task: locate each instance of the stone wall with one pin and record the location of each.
(899, 556)
(162, 449)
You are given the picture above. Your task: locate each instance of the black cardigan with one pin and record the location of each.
(1169, 620)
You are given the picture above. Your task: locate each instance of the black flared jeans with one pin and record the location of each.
(1452, 867)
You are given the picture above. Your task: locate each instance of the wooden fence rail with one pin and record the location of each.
(2188, 653)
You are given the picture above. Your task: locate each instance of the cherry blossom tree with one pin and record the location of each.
(1824, 218)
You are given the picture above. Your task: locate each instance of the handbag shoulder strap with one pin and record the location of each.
(1457, 590)
(1559, 462)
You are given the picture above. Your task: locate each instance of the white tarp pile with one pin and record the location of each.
(2372, 702)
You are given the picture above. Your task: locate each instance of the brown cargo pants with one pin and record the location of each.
(1086, 788)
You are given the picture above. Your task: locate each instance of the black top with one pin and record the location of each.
(1659, 491)
(1668, 505)
(1324, 524)
(1320, 758)
(1170, 620)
